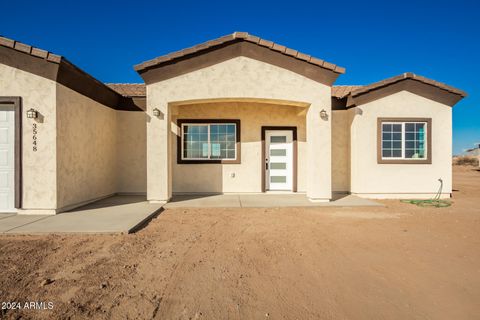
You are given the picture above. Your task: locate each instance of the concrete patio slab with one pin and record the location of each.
(15, 221)
(206, 201)
(263, 201)
(6, 215)
(117, 214)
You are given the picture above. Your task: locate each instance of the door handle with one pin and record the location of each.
(266, 164)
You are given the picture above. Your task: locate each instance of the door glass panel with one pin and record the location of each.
(278, 139)
(278, 165)
(278, 179)
(278, 152)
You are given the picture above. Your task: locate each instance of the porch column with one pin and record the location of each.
(158, 152)
(319, 153)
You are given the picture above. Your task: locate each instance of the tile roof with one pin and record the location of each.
(129, 89)
(25, 48)
(407, 75)
(343, 91)
(243, 36)
(139, 89)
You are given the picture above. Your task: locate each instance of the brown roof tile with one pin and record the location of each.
(244, 36)
(129, 89)
(343, 91)
(407, 75)
(25, 48)
(39, 53)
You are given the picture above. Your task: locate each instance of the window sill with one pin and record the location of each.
(236, 161)
(404, 161)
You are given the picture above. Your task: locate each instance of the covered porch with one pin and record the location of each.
(238, 146)
(251, 95)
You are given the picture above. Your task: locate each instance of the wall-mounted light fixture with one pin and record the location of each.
(323, 114)
(157, 112)
(32, 114)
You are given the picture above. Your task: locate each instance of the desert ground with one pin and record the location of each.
(394, 262)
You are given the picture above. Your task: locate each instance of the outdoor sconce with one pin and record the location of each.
(323, 114)
(157, 112)
(32, 114)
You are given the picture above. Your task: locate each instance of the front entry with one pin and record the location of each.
(7, 157)
(279, 160)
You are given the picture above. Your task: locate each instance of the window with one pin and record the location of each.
(404, 140)
(209, 141)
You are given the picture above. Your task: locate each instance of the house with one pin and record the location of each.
(474, 152)
(235, 114)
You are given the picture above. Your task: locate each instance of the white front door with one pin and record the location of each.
(279, 160)
(7, 158)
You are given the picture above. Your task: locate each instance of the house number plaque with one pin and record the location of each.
(34, 137)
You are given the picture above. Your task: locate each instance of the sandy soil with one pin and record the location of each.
(397, 262)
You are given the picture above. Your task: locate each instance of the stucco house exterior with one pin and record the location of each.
(232, 115)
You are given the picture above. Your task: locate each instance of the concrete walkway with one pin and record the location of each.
(117, 214)
(263, 201)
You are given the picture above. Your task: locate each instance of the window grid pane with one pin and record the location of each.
(415, 140)
(209, 141)
(391, 140)
(412, 134)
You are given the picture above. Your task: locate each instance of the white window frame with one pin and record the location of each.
(427, 129)
(208, 124)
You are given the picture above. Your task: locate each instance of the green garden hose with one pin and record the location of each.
(435, 202)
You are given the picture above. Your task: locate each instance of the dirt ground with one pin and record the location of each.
(396, 262)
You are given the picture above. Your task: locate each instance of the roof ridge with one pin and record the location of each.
(245, 36)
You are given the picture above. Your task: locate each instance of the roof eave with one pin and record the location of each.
(237, 36)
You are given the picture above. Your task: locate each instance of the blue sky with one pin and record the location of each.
(372, 40)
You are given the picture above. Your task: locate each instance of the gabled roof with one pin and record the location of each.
(243, 36)
(404, 76)
(238, 44)
(408, 81)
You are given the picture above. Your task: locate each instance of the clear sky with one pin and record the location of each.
(372, 40)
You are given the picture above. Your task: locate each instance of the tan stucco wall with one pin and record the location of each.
(341, 150)
(190, 178)
(238, 78)
(39, 168)
(131, 152)
(370, 179)
(86, 148)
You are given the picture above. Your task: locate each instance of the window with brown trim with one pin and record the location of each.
(404, 140)
(208, 141)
